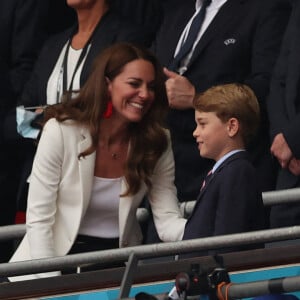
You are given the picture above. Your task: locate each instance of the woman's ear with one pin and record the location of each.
(233, 126)
(108, 82)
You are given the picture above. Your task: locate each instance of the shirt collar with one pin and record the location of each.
(223, 158)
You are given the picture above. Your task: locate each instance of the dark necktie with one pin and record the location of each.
(192, 35)
(206, 180)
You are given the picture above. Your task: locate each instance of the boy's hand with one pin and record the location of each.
(179, 90)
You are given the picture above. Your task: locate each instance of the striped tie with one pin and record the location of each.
(206, 180)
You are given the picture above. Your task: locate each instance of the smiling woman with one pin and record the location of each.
(99, 155)
(132, 91)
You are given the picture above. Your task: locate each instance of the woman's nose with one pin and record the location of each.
(144, 93)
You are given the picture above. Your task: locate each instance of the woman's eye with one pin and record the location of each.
(134, 84)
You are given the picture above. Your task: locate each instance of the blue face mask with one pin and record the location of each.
(24, 118)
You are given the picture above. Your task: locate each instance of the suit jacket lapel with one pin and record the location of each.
(202, 192)
(86, 166)
(224, 18)
(240, 154)
(171, 37)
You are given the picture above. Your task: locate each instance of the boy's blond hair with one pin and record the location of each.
(232, 101)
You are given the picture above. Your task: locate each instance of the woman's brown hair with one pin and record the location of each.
(148, 138)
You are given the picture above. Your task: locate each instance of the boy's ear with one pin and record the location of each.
(233, 126)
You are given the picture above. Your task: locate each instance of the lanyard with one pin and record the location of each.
(63, 72)
(64, 66)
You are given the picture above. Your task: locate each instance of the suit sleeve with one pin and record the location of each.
(163, 200)
(43, 189)
(266, 45)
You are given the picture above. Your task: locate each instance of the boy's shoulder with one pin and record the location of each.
(238, 162)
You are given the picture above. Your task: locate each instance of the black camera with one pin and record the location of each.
(200, 282)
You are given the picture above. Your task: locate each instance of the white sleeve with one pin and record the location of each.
(163, 199)
(43, 189)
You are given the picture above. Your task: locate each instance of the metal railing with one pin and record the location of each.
(134, 254)
(149, 251)
(263, 287)
(254, 288)
(269, 198)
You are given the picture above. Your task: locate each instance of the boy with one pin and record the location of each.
(227, 117)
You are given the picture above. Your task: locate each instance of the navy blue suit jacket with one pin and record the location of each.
(229, 203)
(240, 45)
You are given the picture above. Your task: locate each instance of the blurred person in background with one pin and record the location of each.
(22, 32)
(284, 114)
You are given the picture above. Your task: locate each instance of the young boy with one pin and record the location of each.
(227, 117)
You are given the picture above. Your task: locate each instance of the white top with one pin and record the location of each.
(102, 215)
(55, 81)
(211, 12)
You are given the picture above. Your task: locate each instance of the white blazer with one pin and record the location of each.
(60, 190)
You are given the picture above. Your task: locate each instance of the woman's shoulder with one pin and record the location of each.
(66, 126)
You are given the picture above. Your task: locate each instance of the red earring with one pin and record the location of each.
(109, 109)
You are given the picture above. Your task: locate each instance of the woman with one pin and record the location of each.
(96, 160)
(65, 62)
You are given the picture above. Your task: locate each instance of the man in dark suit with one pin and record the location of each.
(284, 109)
(238, 42)
(21, 33)
(230, 201)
